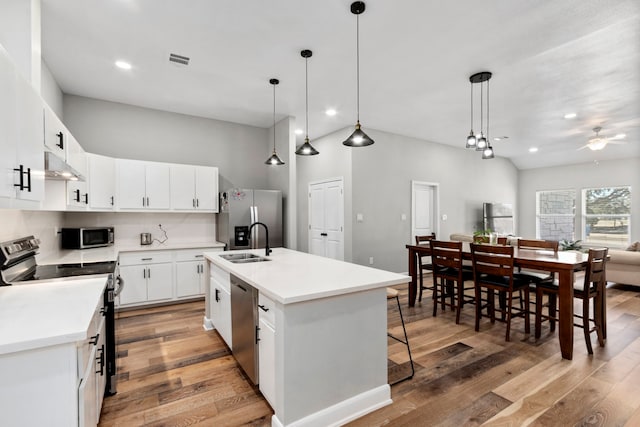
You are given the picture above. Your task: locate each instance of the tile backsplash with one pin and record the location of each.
(16, 223)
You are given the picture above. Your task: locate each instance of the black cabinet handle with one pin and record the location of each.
(60, 143)
(147, 202)
(20, 170)
(28, 186)
(197, 203)
(324, 234)
(94, 339)
(257, 334)
(193, 202)
(77, 198)
(217, 295)
(265, 309)
(103, 311)
(100, 360)
(143, 202)
(111, 200)
(86, 198)
(148, 273)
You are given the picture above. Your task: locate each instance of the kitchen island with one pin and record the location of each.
(322, 342)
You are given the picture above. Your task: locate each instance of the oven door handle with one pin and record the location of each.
(120, 282)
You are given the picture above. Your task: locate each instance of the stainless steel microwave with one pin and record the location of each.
(86, 237)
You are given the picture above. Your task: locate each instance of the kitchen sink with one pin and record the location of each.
(243, 258)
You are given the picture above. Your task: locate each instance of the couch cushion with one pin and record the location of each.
(634, 247)
(623, 257)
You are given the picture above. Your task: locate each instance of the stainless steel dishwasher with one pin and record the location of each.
(244, 326)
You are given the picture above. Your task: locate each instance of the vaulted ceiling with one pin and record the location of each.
(416, 56)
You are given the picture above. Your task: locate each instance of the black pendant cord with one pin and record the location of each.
(306, 94)
(358, 68)
(274, 119)
(487, 114)
(481, 107)
(471, 107)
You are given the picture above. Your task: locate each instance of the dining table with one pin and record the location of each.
(563, 263)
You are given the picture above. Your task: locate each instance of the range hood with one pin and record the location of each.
(56, 168)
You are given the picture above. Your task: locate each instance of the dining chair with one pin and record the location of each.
(537, 245)
(424, 264)
(493, 270)
(594, 286)
(393, 294)
(449, 275)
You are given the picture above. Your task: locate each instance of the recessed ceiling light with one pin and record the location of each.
(298, 131)
(533, 149)
(331, 112)
(123, 65)
(570, 116)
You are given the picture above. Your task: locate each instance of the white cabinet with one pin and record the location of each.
(21, 130)
(190, 272)
(77, 195)
(194, 188)
(92, 371)
(148, 277)
(76, 156)
(267, 348)
(142, 185)
(102, 182)
(56, 134)
(220, 302)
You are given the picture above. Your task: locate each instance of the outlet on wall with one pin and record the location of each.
(56, 231)
(371, 260)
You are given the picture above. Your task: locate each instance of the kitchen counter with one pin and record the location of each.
(110, 253)
(292, 276)
(48, 313)
(321, 332)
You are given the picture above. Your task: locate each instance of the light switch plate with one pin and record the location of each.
(359, 217)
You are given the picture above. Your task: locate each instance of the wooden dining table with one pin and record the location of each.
(563, 263)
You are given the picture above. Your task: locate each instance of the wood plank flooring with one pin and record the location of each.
(173, 373)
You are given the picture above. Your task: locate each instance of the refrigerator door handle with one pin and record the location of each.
(256, 242)
(252, 242)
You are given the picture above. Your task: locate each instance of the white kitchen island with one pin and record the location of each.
(323, 333)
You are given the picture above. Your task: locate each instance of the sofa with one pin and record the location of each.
(623, 266)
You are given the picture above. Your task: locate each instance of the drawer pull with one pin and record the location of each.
(100, 360)
(217, 297)
(94, 339)
(200, 256)
(263, 308)
(146, 259)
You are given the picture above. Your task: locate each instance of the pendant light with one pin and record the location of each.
(358, 138)
(274, 159)
(306, 149)
(480, 141)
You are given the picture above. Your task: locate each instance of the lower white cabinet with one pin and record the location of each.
(220, 302)
(93, 377)
(267, 349)
(153, 277)
(148, 277)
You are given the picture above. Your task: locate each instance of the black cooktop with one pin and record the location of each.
(46, 272)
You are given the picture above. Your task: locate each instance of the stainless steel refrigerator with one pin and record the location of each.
(239, 208)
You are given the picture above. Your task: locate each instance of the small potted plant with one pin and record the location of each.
(570, 245)
(481, 236)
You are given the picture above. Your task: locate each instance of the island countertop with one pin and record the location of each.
(291, 276)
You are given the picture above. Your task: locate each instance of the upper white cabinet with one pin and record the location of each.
(194, 188)
(22, 158)
(56, 135)
(76, 156)
(102, 182)
(143, 185)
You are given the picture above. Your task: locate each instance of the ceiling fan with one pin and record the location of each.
(598, 142)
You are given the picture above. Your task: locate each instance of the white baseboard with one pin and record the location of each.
(345, 411)
(207, 325)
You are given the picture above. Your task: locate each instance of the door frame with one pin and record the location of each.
(436, 208)
(324, 181)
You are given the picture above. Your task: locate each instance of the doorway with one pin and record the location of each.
(326, 218)
(424, 209)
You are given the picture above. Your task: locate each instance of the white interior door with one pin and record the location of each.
(424, 209)
(326, 218)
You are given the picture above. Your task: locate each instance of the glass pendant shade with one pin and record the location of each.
(481, 143)
(306, 149)
(274, 160)
(487, 153)
(358, 138)
(471, 140)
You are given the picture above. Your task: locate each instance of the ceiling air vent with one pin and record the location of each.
(178, 59)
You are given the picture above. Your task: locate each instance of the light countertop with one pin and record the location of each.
(47, 313)
(110, 253)
(293, 276)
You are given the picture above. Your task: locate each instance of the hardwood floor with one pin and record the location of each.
(173, 373)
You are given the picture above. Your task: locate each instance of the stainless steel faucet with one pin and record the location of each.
(267, 251)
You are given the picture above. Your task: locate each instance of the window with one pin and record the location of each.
(606, 213)
(556, 214)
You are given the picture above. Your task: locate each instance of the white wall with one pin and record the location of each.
(612, 173)
(50, 91)
(126, 131)
(42, 225)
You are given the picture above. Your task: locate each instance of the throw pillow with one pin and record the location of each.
(635, 246)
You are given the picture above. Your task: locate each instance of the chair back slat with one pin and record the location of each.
(493, 260)
(596, 267)
(446, 254)
(425, 239)
(538, 244)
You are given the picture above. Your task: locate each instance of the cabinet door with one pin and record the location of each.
(267, 362)
(224, 325)
(183, 187)
(76, 156)
(158, 185)
(102, 181)
(30, 152)
(88, 412)
(77, 195)
(159, 282)
(131, 184)
(8, 133)
(55, 133)
(135, 278)
(101, 367)
(206, 188)
(188, 274)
